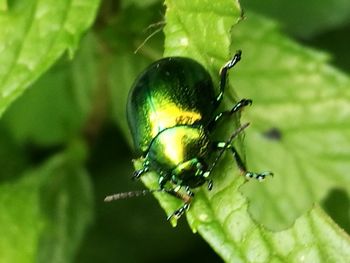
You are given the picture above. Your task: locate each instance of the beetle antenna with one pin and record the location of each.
(126, 195)
(228, 142)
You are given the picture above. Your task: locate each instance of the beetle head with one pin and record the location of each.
(190, 173)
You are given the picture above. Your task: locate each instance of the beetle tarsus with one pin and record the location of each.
(240, 105)
(189, 192)
(210, 185)
(258, 176)
(137, 174)
(236, 58)
(179, 212)
(223, 75)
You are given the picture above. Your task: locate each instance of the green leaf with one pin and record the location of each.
(139, 3)
(295, 92)
(201, 30)
(33, 35)
(128, 66)
(221, 216)
(44, 213)
(183, 21)
(13, 160)
(56, 106)
(304, 19)
(20, 220)
(122, 63)
(209, 46)
(3, 5)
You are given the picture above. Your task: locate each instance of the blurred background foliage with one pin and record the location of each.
(63, 138)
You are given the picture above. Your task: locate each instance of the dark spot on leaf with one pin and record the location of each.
(273, 134)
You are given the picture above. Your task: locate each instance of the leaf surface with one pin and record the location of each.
(33, 35)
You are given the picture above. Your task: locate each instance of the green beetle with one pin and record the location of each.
(172, 113)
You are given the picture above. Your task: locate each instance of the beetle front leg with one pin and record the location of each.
(179, 212)
(241, 166)
(162, 181)
(186, 198)
(137, 174)
(145, 169)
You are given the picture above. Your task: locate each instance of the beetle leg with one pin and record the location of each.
(162, 181)
(241, 166)
(240, 105)
(237, 107)
(179, 212)
(210, 184)
(137, 174)
(186, 198)
(189, 192)
(223, 75)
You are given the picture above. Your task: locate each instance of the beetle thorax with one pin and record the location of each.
(177, 145)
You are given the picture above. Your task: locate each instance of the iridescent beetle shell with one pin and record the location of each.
(172, 114)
